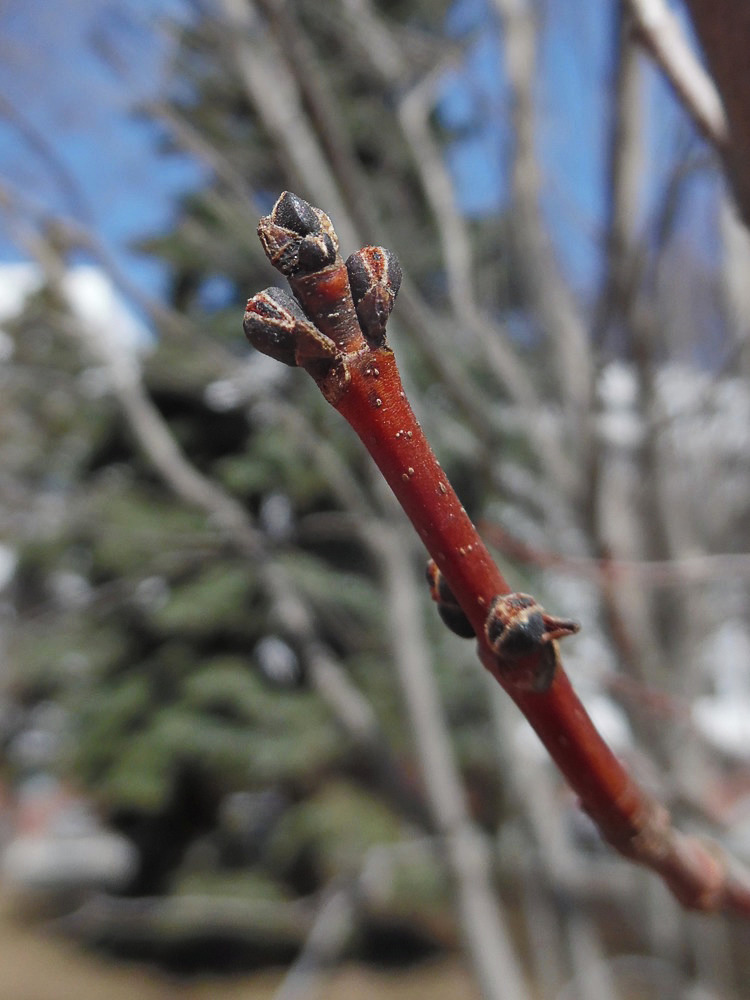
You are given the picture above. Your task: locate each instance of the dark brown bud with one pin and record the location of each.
(375, 278)
(293, 212)
(517, 627)
(448, 607)
(275, 324)
(297, 237)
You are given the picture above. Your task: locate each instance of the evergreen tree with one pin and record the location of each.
(179, 685)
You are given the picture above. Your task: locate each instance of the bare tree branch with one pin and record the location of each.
(661, 34)
(723, 29)
(551, 298)
(469, 861)
(274, 94)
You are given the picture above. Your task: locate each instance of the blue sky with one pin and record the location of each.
(75, 70)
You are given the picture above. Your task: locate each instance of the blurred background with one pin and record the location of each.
(242, 756)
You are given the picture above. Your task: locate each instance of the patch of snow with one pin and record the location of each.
(222, 395)
(275, 516)
(611, 722)
(617, 387)
(61, 844)
(98, 859)
(277, 660)
(724, 723)
(725, 658)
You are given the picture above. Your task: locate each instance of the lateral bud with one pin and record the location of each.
(297, 237)
(375, 278)
(520, 631)
(275, 324)
(448, 607)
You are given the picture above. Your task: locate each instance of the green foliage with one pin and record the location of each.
(218, 596)
(340, 824)
(248, 884)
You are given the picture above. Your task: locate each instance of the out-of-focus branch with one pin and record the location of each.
(413, 112)
(37, 141)
(324, 113)
(723, 29)
(338, 913)
(661, 34)
(379, 46)
(630, 614)
(553, 870)
(192, 141)
(624, 174)
(469, 860)
(623, 609)
(414, 115)
(331, 930)
(533, 790)
(551, 298)
(26, 217)
(684, 571)
(274, 94)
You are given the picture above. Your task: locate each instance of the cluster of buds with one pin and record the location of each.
(519, 631)
(337, 310)
(335, 306)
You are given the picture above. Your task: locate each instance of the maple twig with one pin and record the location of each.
(340, 341)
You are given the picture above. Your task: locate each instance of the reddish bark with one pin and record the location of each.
(633, 823)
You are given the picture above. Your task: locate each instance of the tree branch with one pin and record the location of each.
(469, 862)
(361, 380)
(661, 34)
(723, 29)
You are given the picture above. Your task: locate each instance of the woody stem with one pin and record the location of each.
(376, 406)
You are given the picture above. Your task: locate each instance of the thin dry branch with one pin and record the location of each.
(661, 34)
(723, 29)
(684, 571)
(467, 854)
(273, 92)
(624, 180)
(551, 299)
(331, 930)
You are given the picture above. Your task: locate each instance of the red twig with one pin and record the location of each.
(361, 380)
